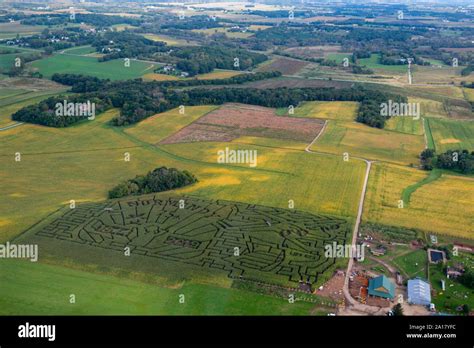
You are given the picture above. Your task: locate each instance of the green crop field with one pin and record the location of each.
(113, 69)
(452, 135)
(41, 289)
(275, 246)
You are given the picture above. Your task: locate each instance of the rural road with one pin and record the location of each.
(355, 232)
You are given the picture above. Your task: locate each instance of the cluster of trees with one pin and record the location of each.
(44, 113)
(157, 180)
(467, 279)
(369, 109)
(460, 160)
(204, 59)
(191, 23)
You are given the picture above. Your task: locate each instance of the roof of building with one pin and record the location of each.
(419, 292)
(381, 286)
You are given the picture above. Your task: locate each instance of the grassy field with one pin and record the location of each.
(452, 135)
(413, 264)
(80, 51)
(343, 111)
(169, 40)
(441, 206)
(39, 289)
(373, 63)
(433, 175)
(113, 69)
(363, 141)
(407, 125)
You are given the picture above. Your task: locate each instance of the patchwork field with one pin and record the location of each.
(441, 206)
(11, 30)
(286, 66)
(314, 51)
(234, 120)
(452, 135)
(156, 128)
(113, 69)
(94, 147)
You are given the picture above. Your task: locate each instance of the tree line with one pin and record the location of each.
(139, 100)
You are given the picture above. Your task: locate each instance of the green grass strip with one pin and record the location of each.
(435, 174)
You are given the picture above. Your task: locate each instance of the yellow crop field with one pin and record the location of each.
(158, 127)
(336, 110)
(218, 74)
(168, 40)
(159, 77)
(469, 94)
(281, 174)
(430, 108)
(443, 206)
(360, 140)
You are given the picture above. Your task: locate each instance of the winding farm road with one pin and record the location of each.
(355, 304)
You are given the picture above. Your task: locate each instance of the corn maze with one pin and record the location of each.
(245, 241)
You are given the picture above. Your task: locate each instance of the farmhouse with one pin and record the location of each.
(419, 292)
(381, 286)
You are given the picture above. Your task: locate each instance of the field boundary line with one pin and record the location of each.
(12, 126)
